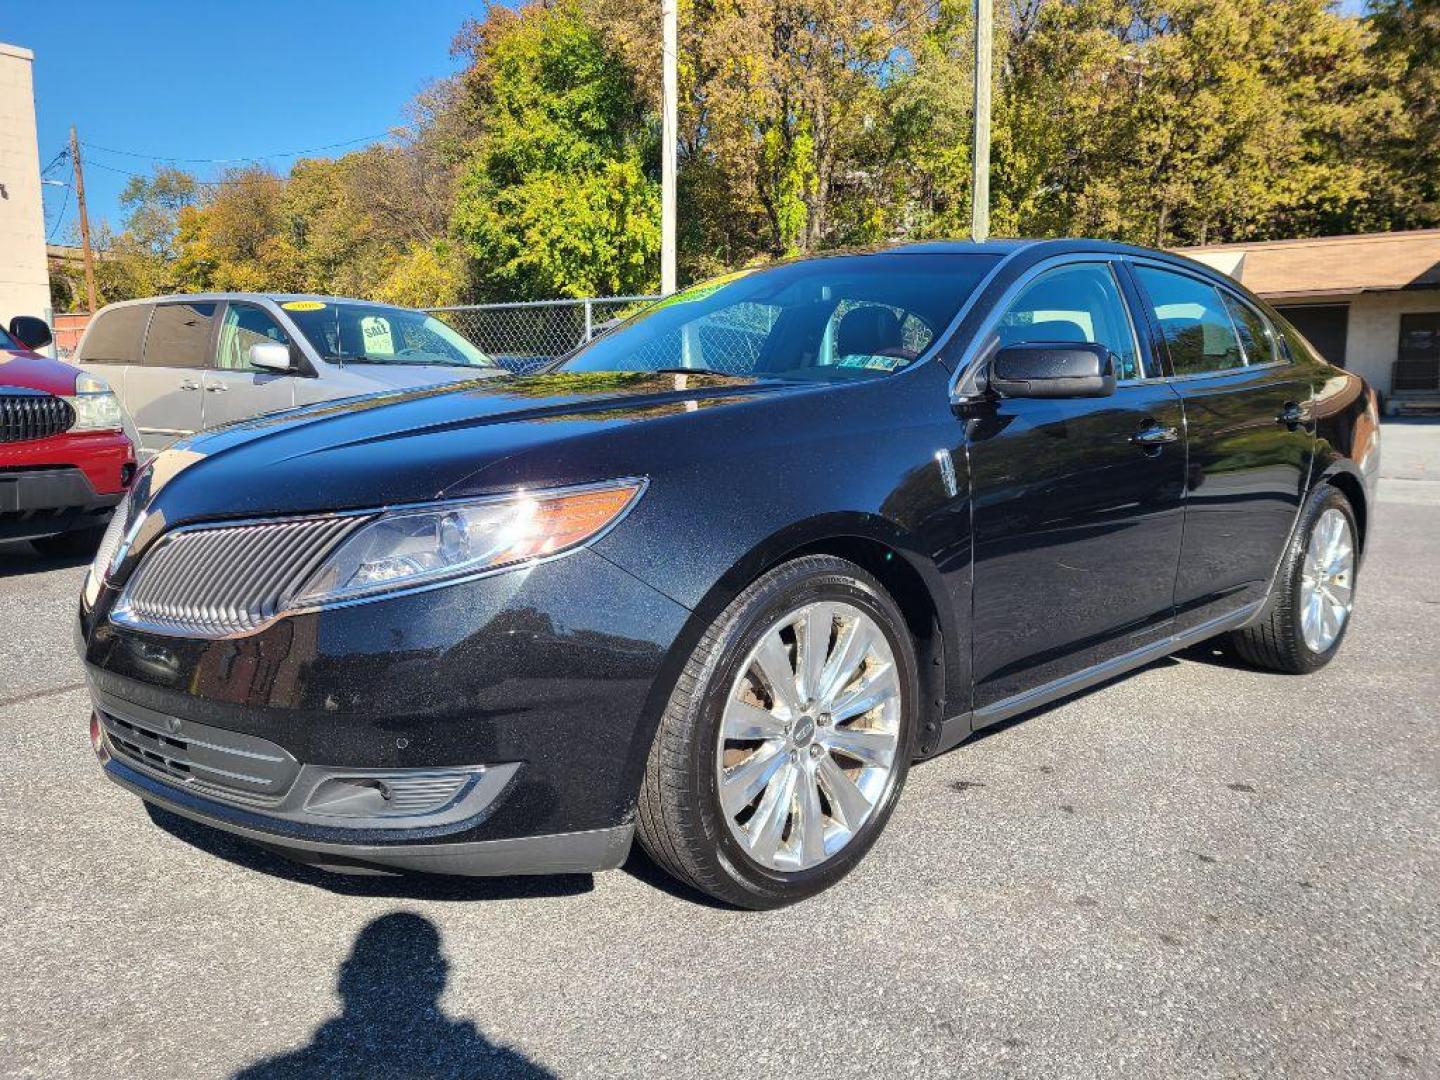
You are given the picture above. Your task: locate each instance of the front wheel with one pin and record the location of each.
(1309, 610)
(787, 738)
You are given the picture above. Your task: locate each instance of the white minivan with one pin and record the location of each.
(181, 364)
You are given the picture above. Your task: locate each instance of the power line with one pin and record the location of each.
(56, 160)
(198, 183)
(236, 160)
(64, 205)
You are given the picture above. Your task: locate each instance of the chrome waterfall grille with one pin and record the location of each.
(102, 565)
(27, 415)
(220, 581)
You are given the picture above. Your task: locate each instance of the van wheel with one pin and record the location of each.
(787, 739)
(1314, 592)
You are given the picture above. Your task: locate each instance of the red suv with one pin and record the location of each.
(65, 459)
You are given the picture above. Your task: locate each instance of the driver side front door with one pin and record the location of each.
(1078, 502)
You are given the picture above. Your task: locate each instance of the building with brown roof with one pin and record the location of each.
(1370, 303)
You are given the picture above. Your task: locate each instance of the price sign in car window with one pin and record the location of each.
(378, 339)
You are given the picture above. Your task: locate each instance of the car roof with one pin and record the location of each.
(217, 297)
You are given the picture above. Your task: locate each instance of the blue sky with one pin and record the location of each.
(220, 80)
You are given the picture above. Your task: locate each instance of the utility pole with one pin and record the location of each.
(980, 152)
(669, 123)
(84, 218)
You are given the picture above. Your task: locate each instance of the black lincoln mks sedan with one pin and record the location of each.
(715, 580)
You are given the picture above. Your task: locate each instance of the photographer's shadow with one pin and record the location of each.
(392, 1023)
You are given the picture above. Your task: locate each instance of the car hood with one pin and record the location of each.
(35, 372)
(423, 443)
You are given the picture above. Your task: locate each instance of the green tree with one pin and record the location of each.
(1406, 51)
(557, 196)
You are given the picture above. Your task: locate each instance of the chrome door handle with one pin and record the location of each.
(217, 388)
(188, 385)
(1154, 436)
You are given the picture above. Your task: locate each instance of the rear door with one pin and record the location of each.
(164, 390)
(1250, 435)
(111, 346)
(233, 388)
(1077, 502)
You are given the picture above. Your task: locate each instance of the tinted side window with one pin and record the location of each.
(1255, 333)
(1193, 320)
(179, 336)
(115, 335)
(244, 325)
(1078, 303)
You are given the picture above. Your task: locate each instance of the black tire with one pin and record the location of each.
(679, 819)
(1275, 640)
(69, 545)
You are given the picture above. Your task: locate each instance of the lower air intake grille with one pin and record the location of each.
(219, 581)
(27, 415)
(210, 761)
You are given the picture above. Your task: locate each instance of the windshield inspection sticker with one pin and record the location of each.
(302, 305)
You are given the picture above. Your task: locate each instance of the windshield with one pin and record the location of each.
(7, 342)
(840, 317)
(370, 334)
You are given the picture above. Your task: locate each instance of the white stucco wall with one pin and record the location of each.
(24, 276)
(1372, 341)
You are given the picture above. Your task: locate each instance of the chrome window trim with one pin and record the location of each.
(1223, 373)
(640, 483)
(972, 352)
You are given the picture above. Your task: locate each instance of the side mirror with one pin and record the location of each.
(1053, 370)
(31, 332)
(271, 355)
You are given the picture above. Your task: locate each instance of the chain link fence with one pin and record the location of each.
(524, 336)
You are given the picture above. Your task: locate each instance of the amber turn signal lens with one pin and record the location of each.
(562, 521)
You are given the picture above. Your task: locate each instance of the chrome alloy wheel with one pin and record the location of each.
(809, 735)
(1327, 582)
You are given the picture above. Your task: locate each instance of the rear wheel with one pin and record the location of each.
(68, 545)
(1314, 593)
(787, 739)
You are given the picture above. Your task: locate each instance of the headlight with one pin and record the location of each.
(408, 547)
(95, 404)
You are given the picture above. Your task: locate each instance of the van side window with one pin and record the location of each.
(179, 336)
(114, 337)
(1193, 320)
(245, 325)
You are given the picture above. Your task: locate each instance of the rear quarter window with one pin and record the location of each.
(115, 336)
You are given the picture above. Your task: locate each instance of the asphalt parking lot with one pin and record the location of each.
(1198, 870)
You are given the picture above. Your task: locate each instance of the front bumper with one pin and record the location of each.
(556, 853)
(45, 502)
(543, 684)
(105, 458)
